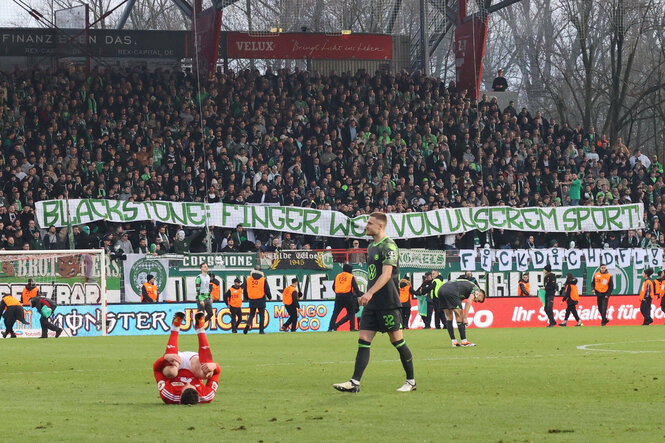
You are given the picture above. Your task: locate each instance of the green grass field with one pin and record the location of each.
(517, 385)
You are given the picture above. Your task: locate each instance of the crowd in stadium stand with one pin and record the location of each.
(353, 143)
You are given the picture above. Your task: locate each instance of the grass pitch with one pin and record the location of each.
(545, 384)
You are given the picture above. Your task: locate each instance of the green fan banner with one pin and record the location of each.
(335, 224)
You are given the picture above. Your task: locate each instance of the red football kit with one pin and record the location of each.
(170, 388)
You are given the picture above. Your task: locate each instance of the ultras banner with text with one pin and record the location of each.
(335, 224)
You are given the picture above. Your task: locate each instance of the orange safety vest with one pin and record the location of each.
(255, 288)
(647, 286)
(152, 291)
(287, 295)
(601, 282)
(527, 287)
(10, 301)
(214, 292)
(574, 293)
(343, 283)
(404, 294)
(235, 297)
(28, 294)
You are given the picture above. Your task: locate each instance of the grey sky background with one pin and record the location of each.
(12, 15)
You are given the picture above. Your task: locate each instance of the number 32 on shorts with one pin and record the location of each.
(389, 320)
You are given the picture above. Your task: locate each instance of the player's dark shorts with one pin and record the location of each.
(384, 320)
(448, 300)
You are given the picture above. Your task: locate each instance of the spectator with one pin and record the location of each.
(230, 246)
(124, 244)
(401, 142)
(500, 84)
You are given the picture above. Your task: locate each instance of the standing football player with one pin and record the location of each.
(383, 310)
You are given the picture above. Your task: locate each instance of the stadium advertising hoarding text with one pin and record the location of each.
(309, 46)
(155, 319)
(335, 224)
(100, 43)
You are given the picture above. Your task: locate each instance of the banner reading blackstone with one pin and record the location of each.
(335, 224)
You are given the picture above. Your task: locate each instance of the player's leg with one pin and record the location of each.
(205, 354)
(208, 308)
(448, 314)
(461, 327)
(406, 357)
(172, 345)
(368, 327)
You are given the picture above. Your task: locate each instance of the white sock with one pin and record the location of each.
(411, 381)
(175, 328)
(199, 331)
(355, 382)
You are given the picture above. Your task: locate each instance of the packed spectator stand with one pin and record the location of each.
(353, 143)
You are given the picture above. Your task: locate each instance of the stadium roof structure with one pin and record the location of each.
(184, 6)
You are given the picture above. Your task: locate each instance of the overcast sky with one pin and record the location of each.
(12, 15)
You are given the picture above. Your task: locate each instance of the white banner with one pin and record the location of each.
(555, 257)
(422, 258)
(137, 267)
(335, 224)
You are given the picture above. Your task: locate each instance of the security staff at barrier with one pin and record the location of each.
(256, 290)
(233, 299)
(149, 290)
(603, 285)
(346, 297)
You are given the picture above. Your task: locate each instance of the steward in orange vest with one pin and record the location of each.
(290, 298)
(29, 291)
(603, 286)
(214, 287)
(256, 290)
(346, 297)
(571, 295)
(233, 299)
(646, 294)
(149, 290)
(660, 285)
(13, 312)
(405, 293)
(523, 287)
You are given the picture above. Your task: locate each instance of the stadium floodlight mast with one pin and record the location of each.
(68, 276)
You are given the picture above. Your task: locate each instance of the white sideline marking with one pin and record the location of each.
(588, 347)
